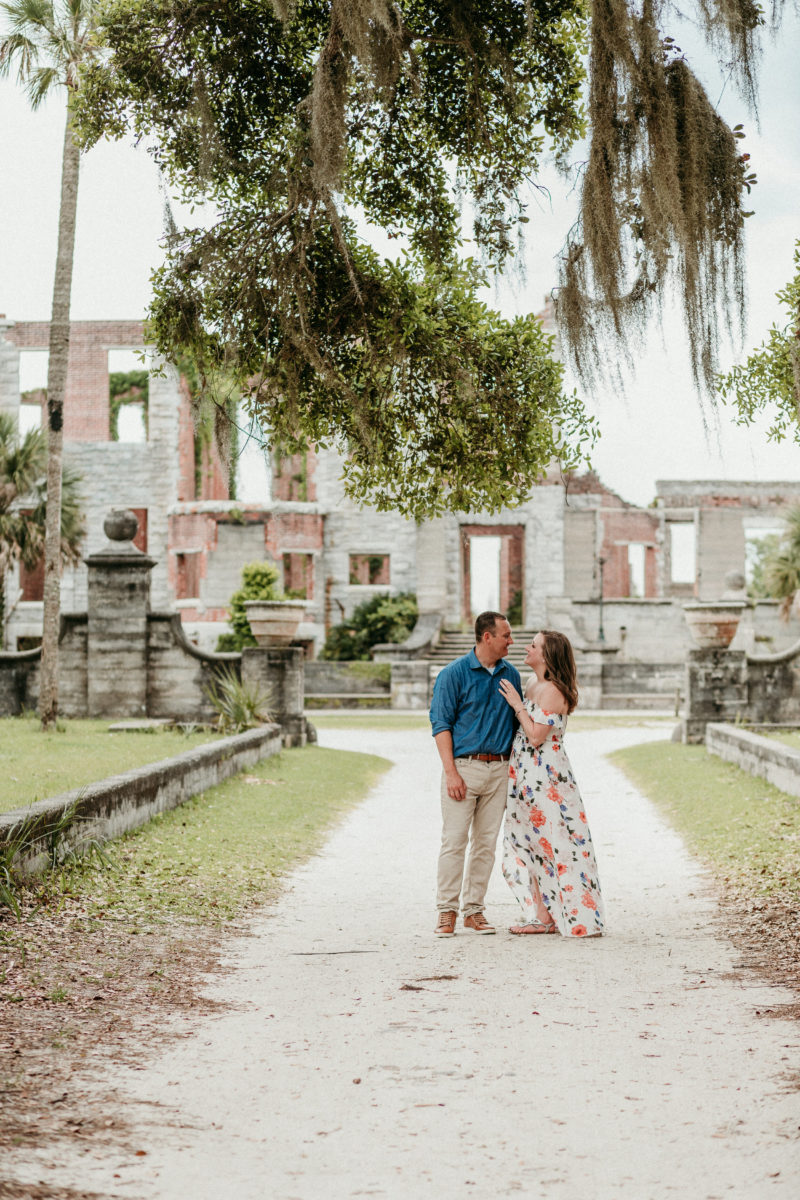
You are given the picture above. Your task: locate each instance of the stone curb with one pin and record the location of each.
(104, 810)
(760, 756)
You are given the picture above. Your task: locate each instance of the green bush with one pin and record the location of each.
(259, 582)
(381, 619)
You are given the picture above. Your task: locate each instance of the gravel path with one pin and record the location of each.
(360, 1056)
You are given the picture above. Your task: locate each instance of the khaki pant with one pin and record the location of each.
(476, 819)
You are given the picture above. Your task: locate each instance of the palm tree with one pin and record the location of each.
(23, 504)
(48, 41)
(782, 566)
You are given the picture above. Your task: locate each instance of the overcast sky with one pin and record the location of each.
(655, 431)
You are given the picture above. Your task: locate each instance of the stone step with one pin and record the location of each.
(454, 643)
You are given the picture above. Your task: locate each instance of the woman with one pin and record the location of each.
(548, 857)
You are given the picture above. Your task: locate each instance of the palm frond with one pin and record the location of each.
(22, 462)
(31, 21)
(23, 499)
(39, 84)
(21, 51)
(73, 526)
(46, 42)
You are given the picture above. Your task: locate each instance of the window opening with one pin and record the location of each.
(128, 396)
(253, 467)
(636, 570)
(369, 569)
(682, 550)
(298, 575)
(761, 543)
(188, 575)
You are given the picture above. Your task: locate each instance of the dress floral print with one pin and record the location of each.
(547, 845)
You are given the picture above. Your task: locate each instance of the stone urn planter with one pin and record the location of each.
(275, 622)
(713, 623)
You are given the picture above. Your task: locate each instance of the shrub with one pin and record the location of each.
(259, 582)
(381, 619)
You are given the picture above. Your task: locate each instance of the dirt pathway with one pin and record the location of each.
(360, 1056)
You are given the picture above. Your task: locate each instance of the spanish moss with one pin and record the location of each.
(663, 193)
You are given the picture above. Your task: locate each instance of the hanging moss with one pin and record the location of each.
(289, 117)
(662, 197)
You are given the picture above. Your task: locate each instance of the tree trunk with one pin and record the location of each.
(56, 386)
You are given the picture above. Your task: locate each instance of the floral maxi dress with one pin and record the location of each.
(547, 845)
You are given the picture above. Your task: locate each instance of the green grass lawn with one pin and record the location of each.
(787, 737)
(746, 828)
(34, 765)
(218, 853)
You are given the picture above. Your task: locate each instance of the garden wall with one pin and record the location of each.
(640, 684)
(347, 683)
(177, 675)
(113, 806)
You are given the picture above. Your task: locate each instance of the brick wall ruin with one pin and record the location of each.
(573, 543)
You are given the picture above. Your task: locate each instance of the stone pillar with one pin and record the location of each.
(119, 601)
(590, 674)
(716, 690)
(432, 584)
(163, 452)
(411, 685)
(9, 371)
(278, 673)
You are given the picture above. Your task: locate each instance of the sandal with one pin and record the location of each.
(534, 927)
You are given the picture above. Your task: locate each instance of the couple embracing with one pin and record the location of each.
(502, 752)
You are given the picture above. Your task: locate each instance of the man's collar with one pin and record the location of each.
(477, 665)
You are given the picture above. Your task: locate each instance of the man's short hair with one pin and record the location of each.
(485, 623)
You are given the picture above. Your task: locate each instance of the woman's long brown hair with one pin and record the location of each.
(559, 664)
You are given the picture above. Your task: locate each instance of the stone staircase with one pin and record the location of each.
(453, 643)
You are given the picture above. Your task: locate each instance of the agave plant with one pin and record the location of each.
(238, 705)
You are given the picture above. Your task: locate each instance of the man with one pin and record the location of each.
(473, 727)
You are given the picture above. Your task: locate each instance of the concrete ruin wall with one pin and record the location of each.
(137, 475)
(567, 529)
(723, 511)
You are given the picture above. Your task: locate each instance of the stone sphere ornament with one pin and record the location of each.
(120, 525)
(735, 586)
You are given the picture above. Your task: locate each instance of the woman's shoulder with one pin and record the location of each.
(550, 699)
(529, 686)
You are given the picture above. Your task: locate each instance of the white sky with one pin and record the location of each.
(656, 431)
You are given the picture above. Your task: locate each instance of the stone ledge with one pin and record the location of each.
(112, 806)
(759, 756)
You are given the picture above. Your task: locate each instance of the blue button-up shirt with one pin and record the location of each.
(467, 701)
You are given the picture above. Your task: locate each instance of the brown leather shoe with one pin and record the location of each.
(478, 924)
(446, 926)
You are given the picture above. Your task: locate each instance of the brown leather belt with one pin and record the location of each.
(488, 757)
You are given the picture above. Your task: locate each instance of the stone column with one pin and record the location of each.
(119, 601)
(716, 690)
(411, 686)
(590, 673)
(9, 371)
(432, 583)
(278, 673)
